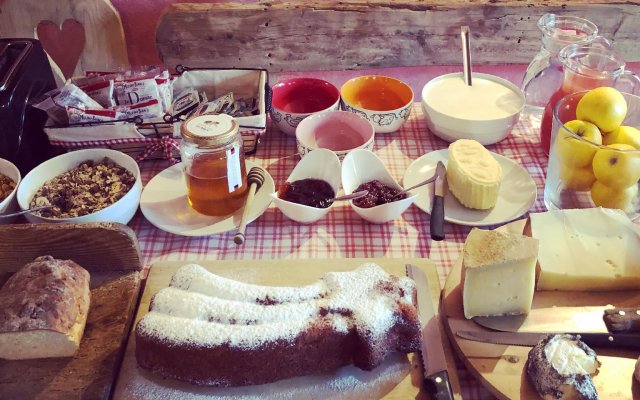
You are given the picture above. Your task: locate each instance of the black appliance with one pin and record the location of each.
(25, 74)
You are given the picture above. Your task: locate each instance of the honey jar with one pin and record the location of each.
(213, 164)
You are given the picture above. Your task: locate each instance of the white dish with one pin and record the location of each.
(361, 166)
(517, 192)
(164, 203)
(319, 164)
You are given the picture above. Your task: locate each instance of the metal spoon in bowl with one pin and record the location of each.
(417, 185)
(351, 196)
(15, 214)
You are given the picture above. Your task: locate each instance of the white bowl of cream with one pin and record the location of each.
(486, 111)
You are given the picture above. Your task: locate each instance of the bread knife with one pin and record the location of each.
(436, 219)
(601, 340)
(622, 320)
(434, 364)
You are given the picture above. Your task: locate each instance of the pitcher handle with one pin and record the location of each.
(629, 80)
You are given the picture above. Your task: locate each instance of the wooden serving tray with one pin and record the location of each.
(109, 251)
(135, 383)
(501, 368)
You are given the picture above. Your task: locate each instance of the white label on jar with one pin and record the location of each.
(234, 174)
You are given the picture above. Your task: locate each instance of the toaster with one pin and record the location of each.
(25, 75)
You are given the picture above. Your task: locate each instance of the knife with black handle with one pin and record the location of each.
(436, 219)
(598, 340)
(622, 320)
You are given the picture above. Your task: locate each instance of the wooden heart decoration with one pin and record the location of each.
(63, 44)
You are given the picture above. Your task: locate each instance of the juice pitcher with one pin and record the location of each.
(544, 74)
(586, 67)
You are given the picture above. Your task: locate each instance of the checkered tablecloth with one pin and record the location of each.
(342, 234)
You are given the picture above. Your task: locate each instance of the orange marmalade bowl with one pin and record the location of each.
(384, 101)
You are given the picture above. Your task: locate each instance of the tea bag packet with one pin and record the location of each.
(246, 107)
(55, 102)
(185, 102)
(98, 87)
(217, 106)
(165, 90)
(148, 110)
(81, 115)
(136, 91)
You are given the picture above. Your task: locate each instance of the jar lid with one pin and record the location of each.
(210, 129)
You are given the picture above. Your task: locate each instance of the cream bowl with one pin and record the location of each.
(10, 203)
(320, 164)
(338, 131)
(121, 211)
(295, 99)
(386, 102)
(362, 166)
(486, 111)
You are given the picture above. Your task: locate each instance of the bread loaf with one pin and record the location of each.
(43, 310)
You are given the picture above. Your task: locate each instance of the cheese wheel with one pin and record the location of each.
(473, 175)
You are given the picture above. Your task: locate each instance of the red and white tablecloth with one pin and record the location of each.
(342, 234)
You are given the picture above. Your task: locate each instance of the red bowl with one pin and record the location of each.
(304, 95)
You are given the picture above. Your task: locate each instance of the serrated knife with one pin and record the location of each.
(436, 218)
(602, 340)
(434, 363)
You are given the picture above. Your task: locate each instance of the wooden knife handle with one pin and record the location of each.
(622, 320)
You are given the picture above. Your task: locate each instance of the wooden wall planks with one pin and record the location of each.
(297, 36)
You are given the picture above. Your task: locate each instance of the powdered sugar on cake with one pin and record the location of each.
(203, 309)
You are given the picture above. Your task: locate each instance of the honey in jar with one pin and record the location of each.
(213, 164)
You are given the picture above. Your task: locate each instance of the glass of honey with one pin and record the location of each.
(213, 164)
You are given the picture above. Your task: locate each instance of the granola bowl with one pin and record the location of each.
(9, 181)
(91, 185)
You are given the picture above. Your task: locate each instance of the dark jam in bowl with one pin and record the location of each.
(310, 192)
(379, 193)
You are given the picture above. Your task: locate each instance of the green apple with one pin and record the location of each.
(603, 106)
(617, 165)
(623, 199)
(575, 152)
(623, 134)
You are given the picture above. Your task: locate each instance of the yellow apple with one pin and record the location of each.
(603, 106)
(623, 199)
(573, 151)
(623, 134)
(617, 165)
(578, 179)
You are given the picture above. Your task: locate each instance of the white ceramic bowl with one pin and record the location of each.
(121, 211)
(10, 203)
(295, 99)
(386, 102)
(485, 111)
(338, 131)
(361, 166)
(320, 164)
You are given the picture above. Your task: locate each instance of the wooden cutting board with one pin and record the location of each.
(110, 253)
(399, 378)
(500, 368)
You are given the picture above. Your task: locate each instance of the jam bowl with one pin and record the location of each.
(363, 170)
(297, 98)
(306, 195)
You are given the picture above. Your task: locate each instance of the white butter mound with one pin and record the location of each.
(587, 249)
(473, 175)
(498, 272)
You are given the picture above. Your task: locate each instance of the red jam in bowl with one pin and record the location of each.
(379, 193)
(309, 192)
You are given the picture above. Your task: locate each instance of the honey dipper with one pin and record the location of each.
(255, 179)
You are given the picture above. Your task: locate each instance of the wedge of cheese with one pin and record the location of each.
(587, 249)
(499, 271)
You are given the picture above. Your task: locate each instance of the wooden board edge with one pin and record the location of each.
(131, 314)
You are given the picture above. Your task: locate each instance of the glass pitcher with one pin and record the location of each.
(544, 74)
(587, 67)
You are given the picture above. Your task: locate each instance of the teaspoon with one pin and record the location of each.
(15, 214)
(351, 196)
